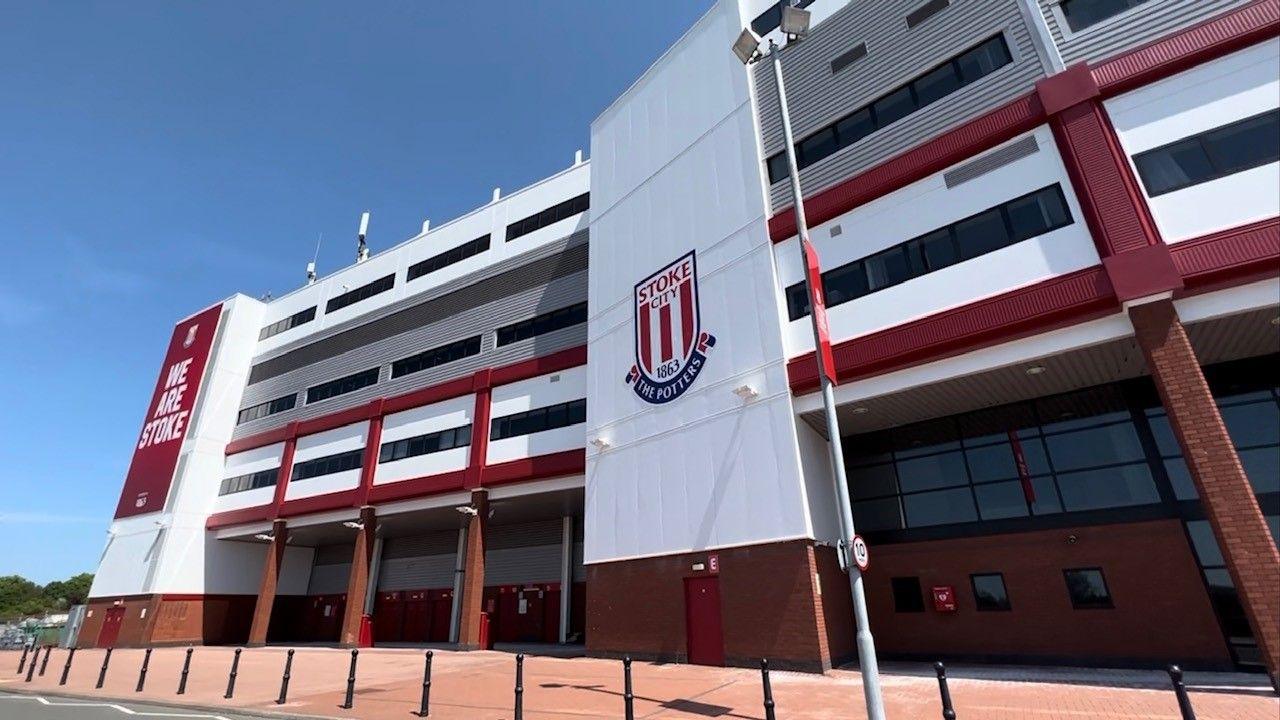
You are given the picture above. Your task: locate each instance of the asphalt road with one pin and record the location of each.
(29, 707)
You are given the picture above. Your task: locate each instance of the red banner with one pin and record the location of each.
(1020, 460)
(818, 305)
(168, 416)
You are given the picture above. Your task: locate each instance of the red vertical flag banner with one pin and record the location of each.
(155, 456)
(1020, 460)
(818, 304)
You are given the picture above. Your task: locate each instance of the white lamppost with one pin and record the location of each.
(795, 24)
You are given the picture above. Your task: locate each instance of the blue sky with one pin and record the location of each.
(158, 156)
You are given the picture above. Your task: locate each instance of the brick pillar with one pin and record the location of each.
(358, 580)
(1228, 499)
(473, 574)
(267, 588)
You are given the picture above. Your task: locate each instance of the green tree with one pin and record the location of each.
(19, 597)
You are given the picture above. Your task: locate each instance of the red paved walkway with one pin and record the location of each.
(478, 686)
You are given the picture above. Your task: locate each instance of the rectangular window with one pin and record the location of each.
(364, 292)
(342, 385)
(926, 11)
(328, 465)
(1019, 219)
(271, 407)
(436, 356)
(848, 57)
(933, 85)
(448, 257)
(1081, 14)
(1242, 145)
(539, 420)
(252, 481)
(907, 595)
(553, 214)
(294, 320)
(425, 444)
(989, 592)
(543, 324)
(1087, 588)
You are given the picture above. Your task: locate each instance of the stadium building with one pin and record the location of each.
(587, 412)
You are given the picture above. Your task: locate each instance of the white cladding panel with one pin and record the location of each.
(535, 393)
(330, 442)
(128, 558)
(245, 499)
(1203, 98)
(244, 463)
(491, 219)
(676, 168)
(421, 421)
(928, 205)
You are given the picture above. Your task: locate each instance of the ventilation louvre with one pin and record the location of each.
(991, 161)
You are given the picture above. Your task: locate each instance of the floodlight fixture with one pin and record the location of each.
(747, 46)
(795, 22)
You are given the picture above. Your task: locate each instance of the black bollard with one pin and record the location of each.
(186, 668)
(1180, 690)
(142, 673)
(66, 669)
(424, 711)
(351, 682)
(231, 676)
(628, 698)
(284, 679)
(31, 669)
(45, 663)
(948, 712)
(102, 674)
(519, 713)
(768, 691)
(22, 664)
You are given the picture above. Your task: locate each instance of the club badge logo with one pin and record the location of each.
(671, 348)
(191, 336)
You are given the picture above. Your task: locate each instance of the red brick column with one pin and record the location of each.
(358, 580)
(267, 588)
(1225, 492)
(472, 603)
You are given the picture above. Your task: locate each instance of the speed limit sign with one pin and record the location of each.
(860, 555)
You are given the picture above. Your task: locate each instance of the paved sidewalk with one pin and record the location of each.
(479, 686)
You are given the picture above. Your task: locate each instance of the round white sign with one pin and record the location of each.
(860, 553)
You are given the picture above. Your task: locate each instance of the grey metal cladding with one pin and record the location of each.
(1130, 29)
(541, 532)
(444, 542)
(896, 54)
(528, 552)
(424, 572)
(503, 306)
(334, 554)
(993, 160)
(329, 579)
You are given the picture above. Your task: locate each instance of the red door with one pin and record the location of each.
(441, 613)
(417, 617)
(111, 623)
(529, 623)
(702, 620)
(388, 617)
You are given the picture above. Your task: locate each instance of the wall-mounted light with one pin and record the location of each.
(1035, 370)
(601, 444)
(353, 524)
(467, 510)
(860, 410)
(746, 392)
(265, 537)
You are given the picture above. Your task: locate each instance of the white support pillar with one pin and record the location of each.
(458, 570)
(566, 577)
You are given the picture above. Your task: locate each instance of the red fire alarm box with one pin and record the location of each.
(944, 598)
(713, 563)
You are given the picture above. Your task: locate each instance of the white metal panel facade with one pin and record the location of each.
(1203, 98)
(531, 394)
(675, 168)
(330, 442)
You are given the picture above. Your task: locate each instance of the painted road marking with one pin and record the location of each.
(113, 706)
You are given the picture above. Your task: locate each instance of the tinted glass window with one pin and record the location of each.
(939, 249)
(1001, 500)
(328, 465)
(271, 407)
(983, 60)
(882, 514)
(554, 214)
(542, 324)
(1108, 487)
(1242, 145)
(933, 471)
(981, 234)
(292, 321)
(539, 420)
(886, 269)
(1080, 14)
(873, 480)
(894, 106)
(937, 84)
(1175, 167)
(1233, 148)
(855, 127)
(907, 595)
(939, 507)
(817, 146)
(989, 592)
(363, 292)
(436, 357)
(843, 284)
(425, 444)
(448, 257)
(342, 386)
(1087, 588)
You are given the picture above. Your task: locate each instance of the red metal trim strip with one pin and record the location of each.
(1229, 257)
(240, 517)
(568, 462)
(1063, 300)
(319, 503)
(1209, 40)
(523, 370)
(418, 487)
(477, 458)
(372, 448)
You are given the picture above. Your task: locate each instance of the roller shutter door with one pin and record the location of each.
(527, 553)
(419, 562)
(331, 570)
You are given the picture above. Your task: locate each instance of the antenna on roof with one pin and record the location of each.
(362, 250)
(311, 266)
(497, 194)
(577, 158)
(426, 226)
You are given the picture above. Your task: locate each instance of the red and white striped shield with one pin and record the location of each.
(670, 345)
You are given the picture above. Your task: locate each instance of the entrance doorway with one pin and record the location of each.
(703, 628)
(111, 623)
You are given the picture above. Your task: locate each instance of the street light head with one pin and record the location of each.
(747, 46)
(795, 21)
